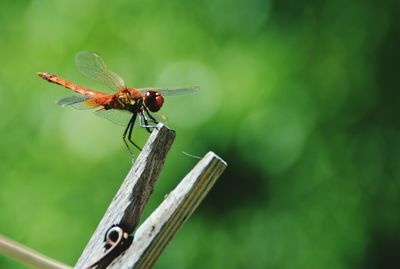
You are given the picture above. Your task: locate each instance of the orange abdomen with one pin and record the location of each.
(63, 82)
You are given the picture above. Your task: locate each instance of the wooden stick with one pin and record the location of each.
(157, 231)
(128, 204)
(28, 256)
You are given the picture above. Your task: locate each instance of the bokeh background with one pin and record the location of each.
(301, 98)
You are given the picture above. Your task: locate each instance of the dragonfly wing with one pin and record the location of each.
(75, 101)
(122, 117)
(119, 117)
(171, 91)
(93, 66)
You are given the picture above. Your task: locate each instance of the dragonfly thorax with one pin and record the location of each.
(125, 101)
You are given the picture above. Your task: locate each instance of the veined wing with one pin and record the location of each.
(75, 101)
(93, 66)
(85, 102)
(170, 91)
(120, 117)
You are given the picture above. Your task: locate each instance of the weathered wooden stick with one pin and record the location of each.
(28, 256)
(130, 200)
(155, 233)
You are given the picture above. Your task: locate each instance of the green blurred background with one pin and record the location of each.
(301, 98)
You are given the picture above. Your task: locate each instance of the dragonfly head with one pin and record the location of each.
(153, 100)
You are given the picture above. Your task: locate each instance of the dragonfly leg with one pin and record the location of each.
(130, 131)
(146, 125)
(152, 119)
(124, 136)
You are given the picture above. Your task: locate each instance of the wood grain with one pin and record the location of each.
(159, 228)
(128, 204)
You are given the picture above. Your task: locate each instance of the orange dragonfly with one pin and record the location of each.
(123, 106)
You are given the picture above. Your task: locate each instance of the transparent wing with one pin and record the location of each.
(92, 65)
(122, 117)
(75, 101)
(171, 91)
(119, 117)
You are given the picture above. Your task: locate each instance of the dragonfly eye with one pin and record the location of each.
(153, 101)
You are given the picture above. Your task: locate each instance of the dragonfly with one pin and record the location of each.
(120, 104)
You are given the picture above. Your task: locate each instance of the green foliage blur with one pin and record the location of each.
(301, 98)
